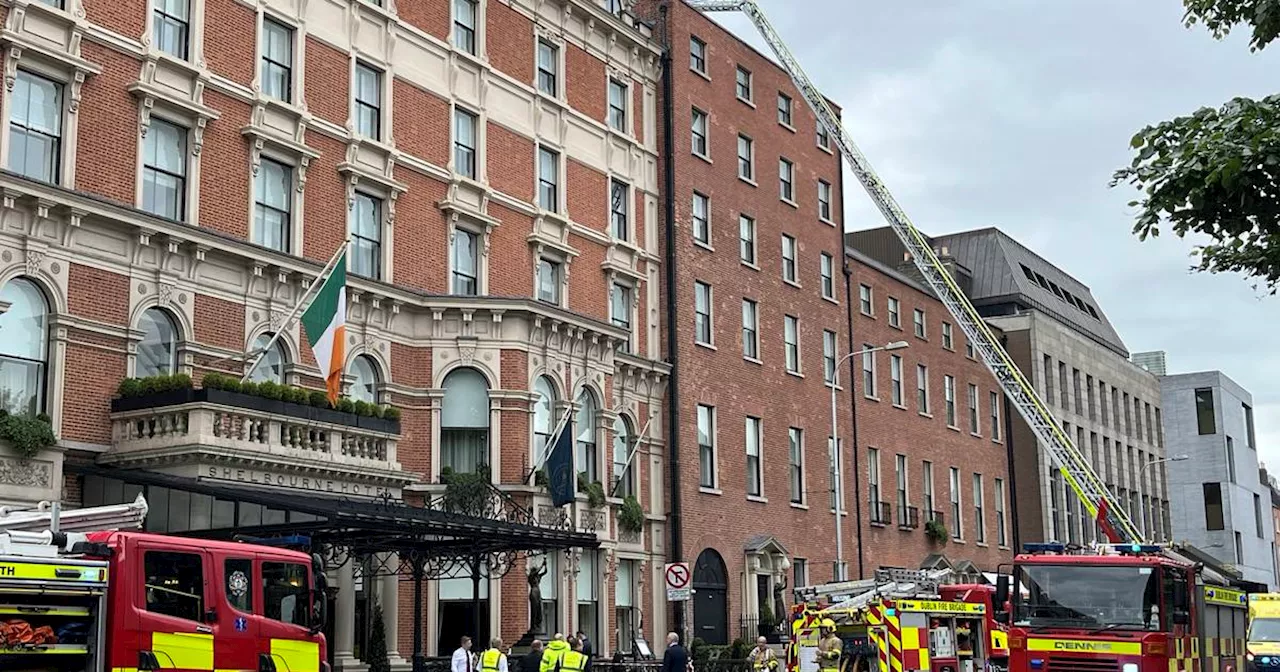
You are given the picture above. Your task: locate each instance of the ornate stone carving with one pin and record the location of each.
(26, 473)
(164, 294)
(276, 319)
(467, 353)
(11, 67)
(34, 258)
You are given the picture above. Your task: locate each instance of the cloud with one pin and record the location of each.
(1015, 113)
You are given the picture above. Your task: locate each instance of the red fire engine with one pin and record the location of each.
(127, 602)
(1124, 608)
(974, 593)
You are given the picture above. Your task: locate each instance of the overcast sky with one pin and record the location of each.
(1015, 113)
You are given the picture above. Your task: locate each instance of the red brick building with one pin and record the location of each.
(931, 432)
(759, 309)
(180, 170)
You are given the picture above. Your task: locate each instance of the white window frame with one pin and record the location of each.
(482, 230)
(695, 114)
(384, 205)
(825, 186)
(875, 495)
(957, 506)
(949, 401)
(628, 203)
(384, 99)
(821, 133)
(830, 344)
(928, 495)
(920, 324)
(790, 260)
(787, 181)
(787, 322)
(979, 510)
(788, 122)
(297, 176)
(481, 49)
(1002, 538)
(948, 337)
(994, 399)
(866, 300)
(559, 183)
(902, 490)
(752, 242)
(706, 221)
(868, 371)
(895, 381)
(478, 154)
(894, 306)
(754, 330)
(753, 425)
(922, 390)
(750, 85)
(975, 411)
(711, 315)
(699, 41)
(561, 263)
(194, 143)
(557, 47)
(712, 419)
(632, 307)
(750, 177)
(796, 463)
(827, 276)
(296, 50)
(625, 84)
(195, 35)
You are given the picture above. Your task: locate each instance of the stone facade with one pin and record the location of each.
(1220, 504)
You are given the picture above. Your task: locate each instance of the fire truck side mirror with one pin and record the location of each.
(1002, 592)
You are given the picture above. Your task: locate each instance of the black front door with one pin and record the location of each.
(710, 599)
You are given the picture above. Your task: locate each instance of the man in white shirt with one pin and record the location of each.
(462, 661)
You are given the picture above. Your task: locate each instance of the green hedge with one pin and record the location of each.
(131, 388)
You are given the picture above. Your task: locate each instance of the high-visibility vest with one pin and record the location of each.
(489, 660)
(573, 661)
(829, 653)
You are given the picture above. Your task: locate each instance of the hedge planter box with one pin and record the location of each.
(256, 403)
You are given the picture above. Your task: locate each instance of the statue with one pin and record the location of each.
(535, 596)
(779, 604)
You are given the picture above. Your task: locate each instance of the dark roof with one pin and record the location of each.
(761, 542)
(364, 525)
(1003, 271)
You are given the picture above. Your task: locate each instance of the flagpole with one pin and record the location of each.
(546, 450)
(293, 314)
(636, 449)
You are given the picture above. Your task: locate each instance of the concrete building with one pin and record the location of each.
(1065, 344)
(931, 442)
(1151, 361)
(179, 172)
(1221, 505)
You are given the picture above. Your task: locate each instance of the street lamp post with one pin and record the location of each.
(835, 451)
(1143, 467)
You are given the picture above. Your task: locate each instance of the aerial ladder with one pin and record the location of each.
(1076, 471)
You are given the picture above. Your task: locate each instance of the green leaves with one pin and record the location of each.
(1216, 174)
(1221, 16)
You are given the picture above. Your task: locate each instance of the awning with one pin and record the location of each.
(363, 526)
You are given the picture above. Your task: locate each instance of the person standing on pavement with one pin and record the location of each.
(762, 658)
(586, 648)
(551, 657)
(573, 660)
(675, 658)
(530, 662)
(829, 647)
(494, 659)
(461, 661)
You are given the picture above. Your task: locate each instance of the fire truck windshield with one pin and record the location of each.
(1089, 596)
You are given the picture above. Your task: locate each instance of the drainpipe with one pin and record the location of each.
(853, 397)
(676, 552)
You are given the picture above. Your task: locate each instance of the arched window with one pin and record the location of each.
(273, 361)
(24, 347)
(544, 415)
(364, 387)
(623, 472)
(158, 350)
(464, 421)
(585, 425)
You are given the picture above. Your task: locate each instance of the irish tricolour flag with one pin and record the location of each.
(325, 322)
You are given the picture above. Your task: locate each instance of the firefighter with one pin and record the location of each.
(494, 659)
(762, 658)
(829, 646)
(551, 655)
(573, 660)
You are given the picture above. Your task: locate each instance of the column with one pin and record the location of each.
(390, 601)
(344, 619)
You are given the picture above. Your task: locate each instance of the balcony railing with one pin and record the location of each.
(206, 424)
(908, 517)
(773, 631)
(938, 516)
(880, 513)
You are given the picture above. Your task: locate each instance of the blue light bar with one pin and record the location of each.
(1043, 548)
(1139, 548)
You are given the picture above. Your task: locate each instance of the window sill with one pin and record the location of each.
(800, 505)
(900, 407)
(831, 299)
(710, 491)
(864, 313)
(953, 428)
(753, 360)
(827, 220)
(997, 441)
(951, 349)
(879, 524)
(758, 499)
(980, 544)
(922, 338)
(826, 148)
(701, 73)
(705, 246)
(926, 414)
(827, 384)
(705, 345)
(787, 126)
(793, 283)
(748, 264)
(871, 397)
(897, 326)
(704, 157)
(975, 435)
(790, 202)
(748, 180)
(957, 541)
(745, 101)
(797, 374)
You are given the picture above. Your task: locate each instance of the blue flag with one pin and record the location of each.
(561, 479)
